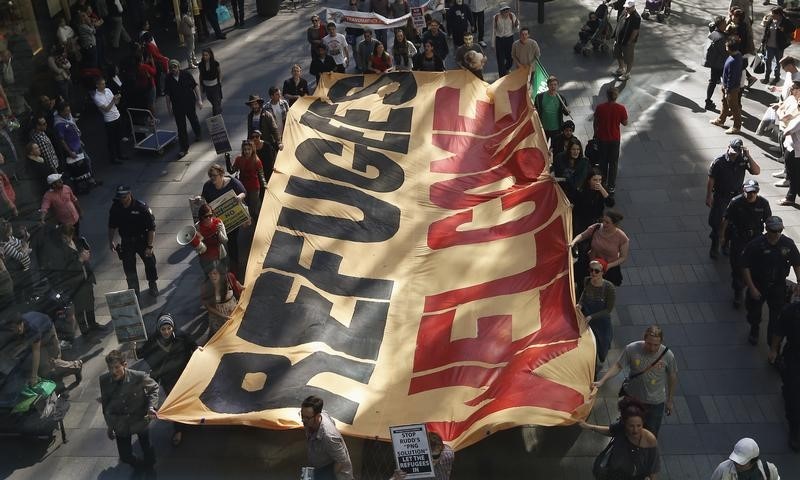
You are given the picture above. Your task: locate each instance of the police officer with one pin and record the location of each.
(725, 177)
(788, 327)
(766, 261)
(743, 221)
(137, 231)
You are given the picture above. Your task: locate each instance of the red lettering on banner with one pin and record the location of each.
(474, 154)
(446, 116)
(445, 233)
(493, 344)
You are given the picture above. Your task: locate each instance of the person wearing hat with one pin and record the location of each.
(183, 97)
(744, 462)
(766, 261)
(627, 35)
(743, 221)
(504, 24)
(136, 225)
(129, 399)
(66, 209)
(262, 119)
(725, 179)
(167, 351)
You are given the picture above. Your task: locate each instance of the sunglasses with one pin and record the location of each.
(596, 270)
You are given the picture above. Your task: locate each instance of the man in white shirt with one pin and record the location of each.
(337, 47)
(107, 104)
(279, 107)
(504, 25)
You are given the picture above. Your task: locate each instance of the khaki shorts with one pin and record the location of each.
(624, 53)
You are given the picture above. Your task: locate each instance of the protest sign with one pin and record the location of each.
(230, 210)
(412, 453)
(126, 316)
(219, 135)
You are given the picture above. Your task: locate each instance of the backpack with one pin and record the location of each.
(716, 54)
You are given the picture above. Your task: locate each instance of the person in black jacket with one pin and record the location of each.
(590, 202)
(184, 97)
(715, 58)
(777, 36)
(167, 351)
(427, 60)
(322, 63)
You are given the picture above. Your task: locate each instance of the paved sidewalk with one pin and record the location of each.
(726, 390)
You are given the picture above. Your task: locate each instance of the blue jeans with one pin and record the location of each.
(653, 416)
(773, 54)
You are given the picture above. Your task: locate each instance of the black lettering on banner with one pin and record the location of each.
(286, 385)
(381, 219)
(271, 322)
(406, 90)
(311, 153)
(323, 113)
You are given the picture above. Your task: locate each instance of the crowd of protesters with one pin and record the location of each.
(107, 58)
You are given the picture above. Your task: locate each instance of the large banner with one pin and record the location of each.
(410, 265)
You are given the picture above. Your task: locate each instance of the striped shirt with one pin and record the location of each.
(15, 249)
(47, 149)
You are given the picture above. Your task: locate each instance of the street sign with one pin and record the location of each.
(219, 135)
(126, 316)
(412, 452)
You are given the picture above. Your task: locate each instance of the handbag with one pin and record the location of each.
(758, 64)
(223, 14)
(600, 468)
(623, 390)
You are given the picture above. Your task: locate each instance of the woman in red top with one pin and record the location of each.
(212, 238)
(145, 83)
(380, 61)
(8, 198)
(251, 174)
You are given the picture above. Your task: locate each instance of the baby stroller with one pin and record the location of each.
(659, 8)
(596, 32)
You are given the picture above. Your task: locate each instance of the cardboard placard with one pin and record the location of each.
(126, 316)
(417, 18)
(412, 453)
(230, 210)
(219, 134)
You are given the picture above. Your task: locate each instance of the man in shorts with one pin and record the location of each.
(627, 34)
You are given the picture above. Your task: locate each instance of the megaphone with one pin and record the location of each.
(186, 235)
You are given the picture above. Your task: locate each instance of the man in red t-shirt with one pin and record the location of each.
(608, 117)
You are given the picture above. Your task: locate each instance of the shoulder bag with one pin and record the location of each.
(600, 468)
(627, 381)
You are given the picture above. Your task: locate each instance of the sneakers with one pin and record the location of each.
(710, 105)
(783, 183)
(717, 122)
(788, 203)
(733, 131)
(153, 289)
(753, 336)
(780, 174)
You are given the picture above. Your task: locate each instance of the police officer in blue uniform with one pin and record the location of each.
(788, 328)
(137, 230)
(725, 178)
(743, 221)
(766, 261)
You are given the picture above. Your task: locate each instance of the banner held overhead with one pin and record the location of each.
(410, 265)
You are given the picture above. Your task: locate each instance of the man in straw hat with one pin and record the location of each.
(263, 120)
